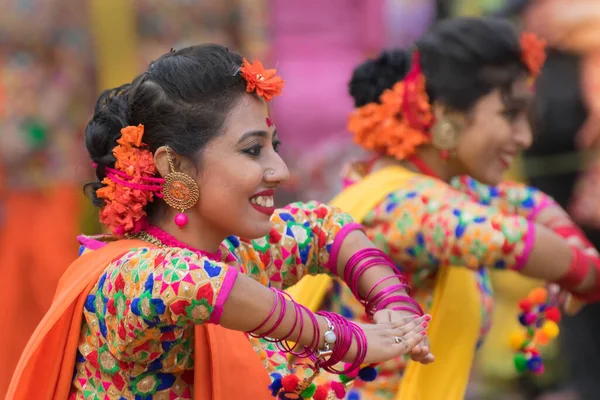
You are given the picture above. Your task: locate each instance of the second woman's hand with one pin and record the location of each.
(388, 340)
(421, 352)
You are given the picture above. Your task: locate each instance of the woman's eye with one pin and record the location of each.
(253, 151)
(511, 114)
(276, 144)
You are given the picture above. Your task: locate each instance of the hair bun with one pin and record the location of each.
(103, 131)
(375, 75)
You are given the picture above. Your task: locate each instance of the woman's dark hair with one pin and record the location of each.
(462, 59)
(182, 101)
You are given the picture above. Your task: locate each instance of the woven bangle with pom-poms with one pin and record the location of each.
(539, 319)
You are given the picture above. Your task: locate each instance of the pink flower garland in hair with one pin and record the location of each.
(130, 186)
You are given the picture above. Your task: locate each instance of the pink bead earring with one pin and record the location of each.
(180, 191)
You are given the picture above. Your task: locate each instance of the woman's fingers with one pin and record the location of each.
(408, 324)
(406, 341)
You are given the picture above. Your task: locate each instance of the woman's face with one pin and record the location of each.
(240, 170)
(496, 132)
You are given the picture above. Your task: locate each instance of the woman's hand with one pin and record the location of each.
(388, 340)
(421, 352)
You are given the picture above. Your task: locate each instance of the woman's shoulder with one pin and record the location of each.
(138, 254)
(426, 190)
(147, 268)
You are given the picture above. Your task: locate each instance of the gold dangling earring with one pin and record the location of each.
(180, 191)
(444, 137)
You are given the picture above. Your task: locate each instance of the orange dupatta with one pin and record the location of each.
(225, 364)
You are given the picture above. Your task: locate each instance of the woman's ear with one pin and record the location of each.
(441, 112)
(161, 160)
(177, 163)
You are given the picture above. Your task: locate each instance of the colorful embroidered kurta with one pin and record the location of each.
(430, 224)
(136, 339)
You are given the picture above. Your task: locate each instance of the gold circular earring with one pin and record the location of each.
(180, 191)
(444, 136)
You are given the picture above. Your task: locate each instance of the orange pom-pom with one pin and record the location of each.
(553, 314)
(538, 296)
(321, 393)
(525, 305)
(290, 382)
(542, 338)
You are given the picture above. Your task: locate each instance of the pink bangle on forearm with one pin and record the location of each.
(408, 309)
(275, 305)
(369, 296)
(337, 245)
(358, 257)
(360, 262)
(546, 201)
(310, 349)
(346, 332)
(398, 299)
(360, 270)
(387, 291)
(521, 259)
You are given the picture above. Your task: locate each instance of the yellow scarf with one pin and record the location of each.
(455, 310)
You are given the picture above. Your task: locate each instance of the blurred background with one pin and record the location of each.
(57, 55)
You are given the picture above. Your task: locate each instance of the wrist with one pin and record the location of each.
(343, 340)
(395, 297)
(582, 278)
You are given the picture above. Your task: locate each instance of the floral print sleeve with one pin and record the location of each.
(429, 224)
(299, 243)
(508, 197)
(154, 288)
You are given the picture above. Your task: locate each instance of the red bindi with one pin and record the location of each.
(269, 123)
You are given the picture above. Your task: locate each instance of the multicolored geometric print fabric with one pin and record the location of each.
(137, 337)
(430, 224)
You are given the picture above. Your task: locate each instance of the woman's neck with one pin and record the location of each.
(430, 164)
(197, 234)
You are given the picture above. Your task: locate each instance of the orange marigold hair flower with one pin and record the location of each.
(126, 191)
(385, 127)
(265, 82)
(533, 52)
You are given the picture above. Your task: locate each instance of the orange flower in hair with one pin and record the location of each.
(131, 135)
(533, 52)
(264, 82)
(384, 128)
(124, 197)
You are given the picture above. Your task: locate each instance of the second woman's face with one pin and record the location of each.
(240, 172)
(496, 132)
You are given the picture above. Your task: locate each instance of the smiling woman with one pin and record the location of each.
(444, 121)
(185, 299)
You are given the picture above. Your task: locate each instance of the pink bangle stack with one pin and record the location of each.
(376, 299)
(343, 331)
